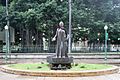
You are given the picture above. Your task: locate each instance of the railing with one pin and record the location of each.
(97, 48)
(51, 49)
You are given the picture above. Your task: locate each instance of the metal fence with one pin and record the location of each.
(51, 49)
(95, 49)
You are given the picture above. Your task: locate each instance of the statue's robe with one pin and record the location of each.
(61, 43)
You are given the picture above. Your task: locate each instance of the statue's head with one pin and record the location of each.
(61, 24)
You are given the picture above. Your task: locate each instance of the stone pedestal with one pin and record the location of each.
(59, 63)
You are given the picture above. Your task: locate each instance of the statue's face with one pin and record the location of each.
(61, 24)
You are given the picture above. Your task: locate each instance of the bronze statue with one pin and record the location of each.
(61, 61)
(61, 41)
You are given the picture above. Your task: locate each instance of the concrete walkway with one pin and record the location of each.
(6, 76)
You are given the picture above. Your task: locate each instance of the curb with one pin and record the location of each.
(59, 73)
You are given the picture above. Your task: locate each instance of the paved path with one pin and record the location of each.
(6, 76)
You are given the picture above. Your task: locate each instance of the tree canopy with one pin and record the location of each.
(88, 17)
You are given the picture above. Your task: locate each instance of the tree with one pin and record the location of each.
(93, 15)
(42, 16)
(2, 17)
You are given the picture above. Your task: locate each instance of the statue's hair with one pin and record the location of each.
(61, 23)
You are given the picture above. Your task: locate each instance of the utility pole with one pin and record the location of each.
(70, 26)
(7, 32)
(106, 38)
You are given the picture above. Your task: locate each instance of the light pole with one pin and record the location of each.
(7, 14)
(7, 42)
(70, 26)
(106, 37)
(7, 31)
(69, 44)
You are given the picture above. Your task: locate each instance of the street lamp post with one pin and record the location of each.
(106, 37)
(7, 32)
(70, 26)
(7, 42)
(7, 14)
(69, 44)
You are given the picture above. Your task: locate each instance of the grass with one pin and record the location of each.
(85, 66)
(31, 66)
(45, 66)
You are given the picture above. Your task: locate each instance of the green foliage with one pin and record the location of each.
(88, 17)
(93, 15)
(37, 13)
(2, 17)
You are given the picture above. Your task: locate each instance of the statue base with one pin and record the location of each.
(59, 63)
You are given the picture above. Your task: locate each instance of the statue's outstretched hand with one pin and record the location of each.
(54, 39)
(68, 36)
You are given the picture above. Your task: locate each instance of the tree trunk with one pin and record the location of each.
(39, 41)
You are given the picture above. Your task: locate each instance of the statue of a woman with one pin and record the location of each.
(61, 41)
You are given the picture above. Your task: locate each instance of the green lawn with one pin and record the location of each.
(85, 66)
(45, 66)
(31, 66)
